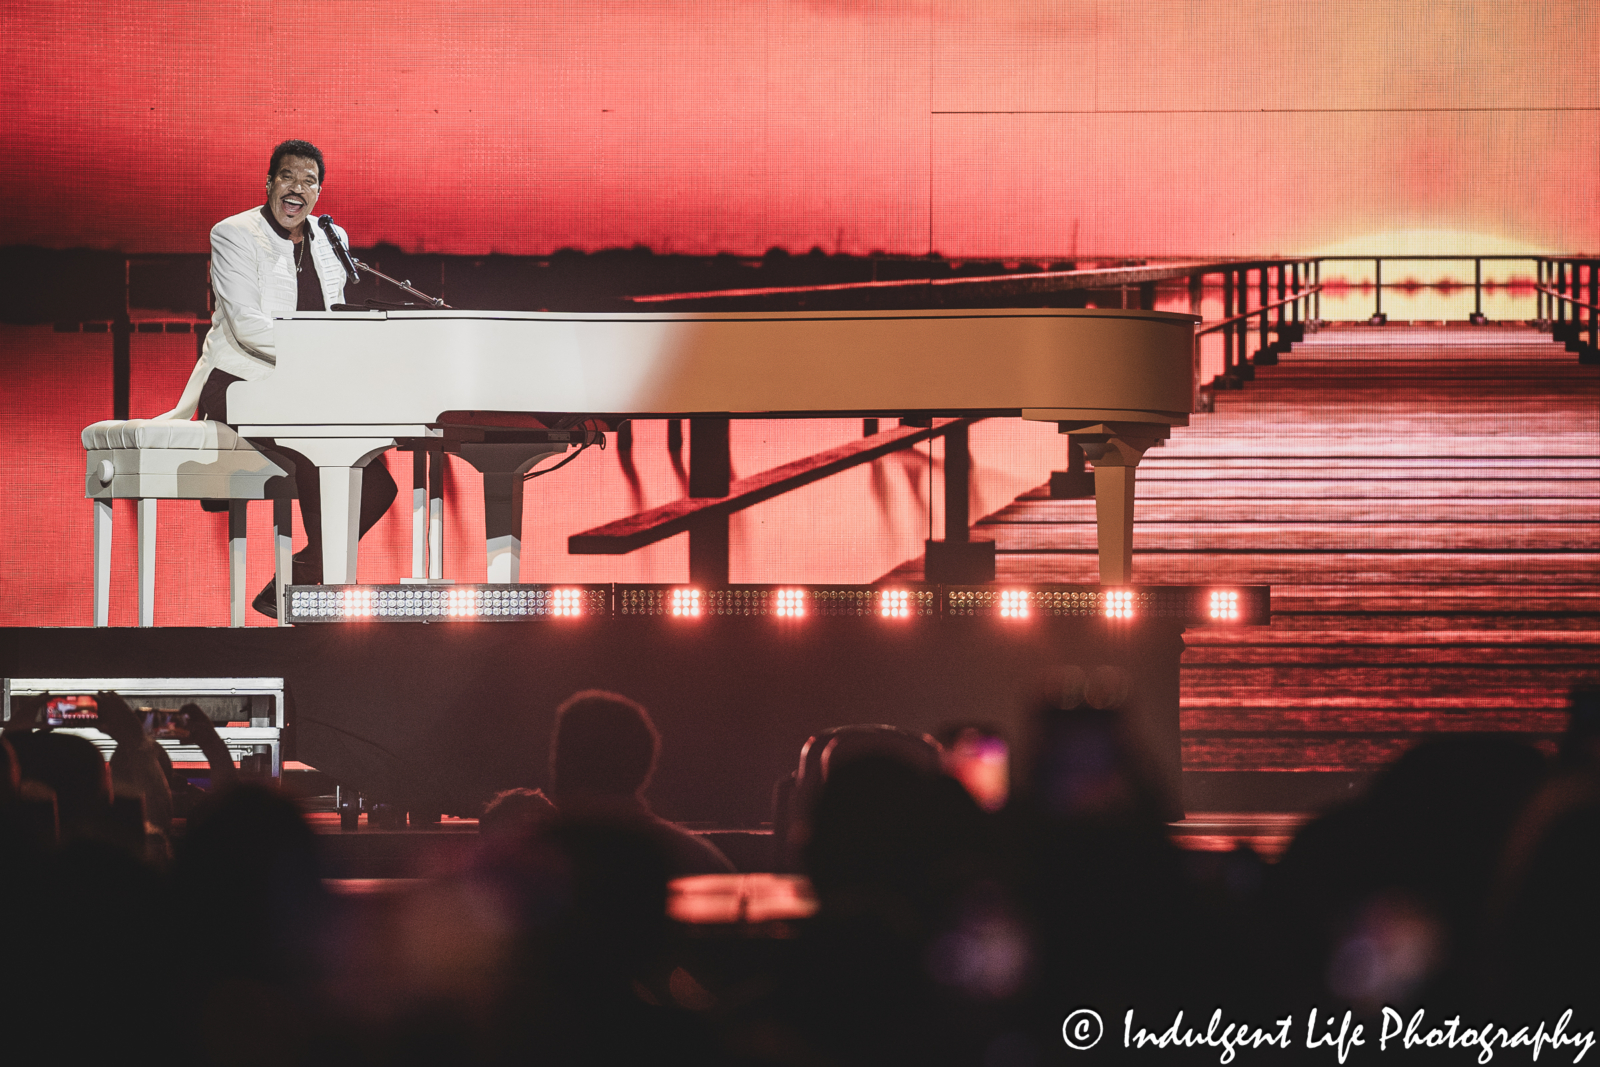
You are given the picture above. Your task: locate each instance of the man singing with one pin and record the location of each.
(266, 262)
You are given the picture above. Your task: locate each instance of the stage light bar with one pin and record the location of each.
(753, 601)
(441, 603)
(1188, 605)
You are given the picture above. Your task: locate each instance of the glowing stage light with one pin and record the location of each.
(791, 604)
(460, 603)
(1119, 604)
(356, 603)
(567, 602)
(1014, 604)
(686, 602)
(894, 603)
(1224, 605)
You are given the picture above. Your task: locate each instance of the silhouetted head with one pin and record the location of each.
(604, 745)
(1580, 746)
(1472, 784)
(72, 767)
(1546, 931)
(888, 837)
(248, 851)
(515, 812)
(10, 774)
(826, 751)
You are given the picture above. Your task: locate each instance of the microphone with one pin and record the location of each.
(326, 222)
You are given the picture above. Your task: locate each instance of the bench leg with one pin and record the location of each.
(147, 561)
(102, 562)
(237, 546)
(282, 554)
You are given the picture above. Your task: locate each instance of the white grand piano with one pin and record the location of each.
(350, 385)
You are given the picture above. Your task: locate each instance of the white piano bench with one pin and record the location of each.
(148, 460)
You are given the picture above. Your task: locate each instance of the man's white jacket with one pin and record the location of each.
(252, 280)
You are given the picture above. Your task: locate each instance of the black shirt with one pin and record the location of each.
(310, 286)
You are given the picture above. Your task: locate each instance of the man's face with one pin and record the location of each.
(292, 190)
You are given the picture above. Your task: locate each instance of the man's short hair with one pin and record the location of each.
(603, 743)
(297, 147)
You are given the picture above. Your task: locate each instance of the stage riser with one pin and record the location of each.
(439, 717)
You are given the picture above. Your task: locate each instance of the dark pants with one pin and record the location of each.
(377, 485)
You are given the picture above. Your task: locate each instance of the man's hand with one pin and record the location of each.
(204, 735)
(118, 720)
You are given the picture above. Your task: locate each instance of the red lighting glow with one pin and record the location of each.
(566, 602)
(894, 603)
(1119, 604)
(1014, 604)
(1224, 604)
(791, 604)
(686, 602)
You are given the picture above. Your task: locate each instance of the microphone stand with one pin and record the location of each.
(351, 264)
(431, 301)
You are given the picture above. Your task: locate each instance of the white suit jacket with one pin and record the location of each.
(253, 280)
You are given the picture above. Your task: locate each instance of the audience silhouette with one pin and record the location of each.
(603, 753)
(946, 931)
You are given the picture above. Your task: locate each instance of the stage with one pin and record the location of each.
(439, 716)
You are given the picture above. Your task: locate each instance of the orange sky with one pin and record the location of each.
(992, 128)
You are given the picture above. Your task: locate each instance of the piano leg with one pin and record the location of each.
(237, 559)
(502, 525)
(1115, 450)
(282, 553)
(339, 461)
(502, 467)
(1113, 515)
(341, 523)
